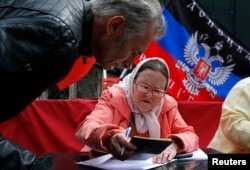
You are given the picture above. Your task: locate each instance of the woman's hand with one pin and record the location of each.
(117, 141)
(168, 154)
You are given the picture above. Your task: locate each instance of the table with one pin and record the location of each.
(66, 161)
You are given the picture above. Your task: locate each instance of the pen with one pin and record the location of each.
(127, 134)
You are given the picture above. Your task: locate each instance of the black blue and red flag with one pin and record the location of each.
(205, 59)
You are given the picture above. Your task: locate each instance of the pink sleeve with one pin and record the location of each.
(98, 125)
(184, 135)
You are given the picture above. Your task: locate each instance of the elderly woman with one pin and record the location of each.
(139, 101)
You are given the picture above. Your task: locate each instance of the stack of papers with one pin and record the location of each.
(138, 161)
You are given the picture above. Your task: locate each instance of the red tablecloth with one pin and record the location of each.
(49, 125)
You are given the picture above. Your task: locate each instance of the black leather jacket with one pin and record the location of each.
(39, 43)
(15, 157)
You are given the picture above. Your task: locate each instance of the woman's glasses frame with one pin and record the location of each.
(146, 89)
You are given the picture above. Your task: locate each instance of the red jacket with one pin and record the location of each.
(112, 114)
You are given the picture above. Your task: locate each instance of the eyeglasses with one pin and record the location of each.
(146, 89)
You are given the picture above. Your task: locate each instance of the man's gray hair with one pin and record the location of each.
(139, 15)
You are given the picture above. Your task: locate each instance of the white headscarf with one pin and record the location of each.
(143, 120)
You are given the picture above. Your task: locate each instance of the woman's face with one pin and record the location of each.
(148, 89)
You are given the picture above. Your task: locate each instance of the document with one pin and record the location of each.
(140, 161)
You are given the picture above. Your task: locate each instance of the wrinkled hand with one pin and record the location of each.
(168, 154)
(117, 141)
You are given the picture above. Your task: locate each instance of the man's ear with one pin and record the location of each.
(115, 24)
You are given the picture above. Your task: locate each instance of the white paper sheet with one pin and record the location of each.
(198, 155)
(138, 161)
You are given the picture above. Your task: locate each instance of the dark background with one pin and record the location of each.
(234, 15)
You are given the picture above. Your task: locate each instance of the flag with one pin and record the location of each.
(205, 59)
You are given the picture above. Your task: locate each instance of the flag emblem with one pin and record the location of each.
(203, 66)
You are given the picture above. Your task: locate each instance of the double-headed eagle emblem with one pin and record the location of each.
(203, 67)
